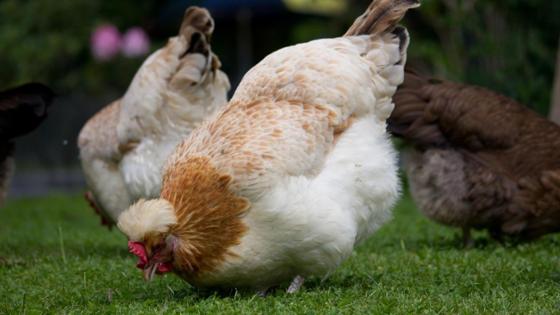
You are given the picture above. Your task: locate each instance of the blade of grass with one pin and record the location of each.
(61, 242)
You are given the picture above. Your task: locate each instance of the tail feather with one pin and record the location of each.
(197, 28)
(381, 16)
(197, 19)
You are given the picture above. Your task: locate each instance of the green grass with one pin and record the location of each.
(56, 258)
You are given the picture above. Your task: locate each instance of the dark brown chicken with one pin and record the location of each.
(22, 109)
(478, 159)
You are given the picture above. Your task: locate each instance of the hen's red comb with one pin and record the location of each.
(138, 249)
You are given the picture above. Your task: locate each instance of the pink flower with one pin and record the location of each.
(135, 43)
(105, 42)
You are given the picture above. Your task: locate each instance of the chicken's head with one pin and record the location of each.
(149, 237)
(154, 258)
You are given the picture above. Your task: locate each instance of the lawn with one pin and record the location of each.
(56, 258)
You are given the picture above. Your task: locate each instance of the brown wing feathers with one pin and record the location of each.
(411, 118)
(431, 112)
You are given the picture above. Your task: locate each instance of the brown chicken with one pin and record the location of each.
(478, 159)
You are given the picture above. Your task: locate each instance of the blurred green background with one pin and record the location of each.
(506, 45)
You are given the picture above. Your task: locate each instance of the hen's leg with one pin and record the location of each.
(296, 284)
(468, 241)
(497, 235)
(7, 166)
(263, 293)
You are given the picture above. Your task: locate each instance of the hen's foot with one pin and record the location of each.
(296, 284)
(265, 292)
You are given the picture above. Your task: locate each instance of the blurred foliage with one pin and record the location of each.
(506, 45)
(317, 6)
(48, 41)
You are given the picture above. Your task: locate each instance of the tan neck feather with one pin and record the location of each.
(208, 215)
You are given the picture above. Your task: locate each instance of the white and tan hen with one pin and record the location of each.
(292, 174)
(124, 147)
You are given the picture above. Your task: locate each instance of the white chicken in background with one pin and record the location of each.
(124, 147)
(292, 174)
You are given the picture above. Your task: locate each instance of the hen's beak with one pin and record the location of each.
(150, 271)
